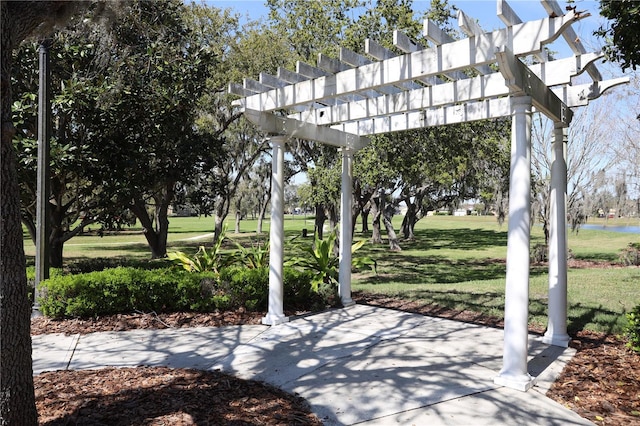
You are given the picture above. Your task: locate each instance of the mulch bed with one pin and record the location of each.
(163, 396)
(601, 383)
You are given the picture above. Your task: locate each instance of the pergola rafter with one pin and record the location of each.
(483, 76)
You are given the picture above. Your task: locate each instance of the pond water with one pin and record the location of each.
(624, 229)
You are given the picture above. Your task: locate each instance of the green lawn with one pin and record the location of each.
(456, 262)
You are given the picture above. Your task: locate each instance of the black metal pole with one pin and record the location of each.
(43, 229)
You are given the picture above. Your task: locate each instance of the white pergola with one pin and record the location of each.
(342, 101)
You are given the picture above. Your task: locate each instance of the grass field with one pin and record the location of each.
(456, 262)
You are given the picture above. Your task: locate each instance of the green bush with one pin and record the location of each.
(630, 256)
(246, 287)
(120, 290)
(633, 329)
(298, 291)
(124, 290)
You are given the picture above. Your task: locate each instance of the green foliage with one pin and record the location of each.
(311, 27)
(630, 256)
(257, 256)
(299, 293)
(204, 260)
(325, 265)
(246, 287)
(632, 329)
(120, 290)
(362, 262)
(622, 31)
(321, 261)
(123, 290)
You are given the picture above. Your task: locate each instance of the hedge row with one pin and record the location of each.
(127, 289)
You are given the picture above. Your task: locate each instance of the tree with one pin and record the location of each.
(248, 51)
(75, 200)
(623, 130)
(586, 156)
(17, 401)
(157, 77)
(312, 27)
(622, 32)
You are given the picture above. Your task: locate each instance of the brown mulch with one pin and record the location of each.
(122, 322)
(601, 383)
(163, 396)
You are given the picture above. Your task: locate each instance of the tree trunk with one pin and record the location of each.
(321, 217)
(162, 221)
(238, 215)
(391, 233)
(156, 236)
(333, 217)
(238, 219)
(31, 228)
(56, 247)
(264, 207)
(376, 214)
(365, 219)
(409, 221)
(354, 221)
(222, 210)
(17, 400)
(261, 215)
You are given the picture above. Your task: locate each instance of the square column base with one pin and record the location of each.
(347, 303)
(270, 319)
(561, 340)
(522, 383)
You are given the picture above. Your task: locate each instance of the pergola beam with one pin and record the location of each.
(467, 112)
(522, 81)
(407, 45)
(553, 8)
(471, 89)
(581, 95)
(509, 17)
(272, 124)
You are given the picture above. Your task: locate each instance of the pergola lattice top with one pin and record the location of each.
(342, 100)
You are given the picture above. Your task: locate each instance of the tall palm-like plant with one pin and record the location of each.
(325, 263)
(204, 260)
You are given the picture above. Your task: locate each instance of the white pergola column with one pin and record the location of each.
(557, 327)
(275, 314)
(514, 372)
(346, 237)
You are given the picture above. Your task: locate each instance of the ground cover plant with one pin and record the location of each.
(454, 268)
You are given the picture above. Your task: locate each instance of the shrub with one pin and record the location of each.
(630, 256)
(120, 290)
(633, 329)
(31, 279)
(101, 263)
(299, 293)
(325, 265)
(123, 290)
(246, 287)
(204, 260)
